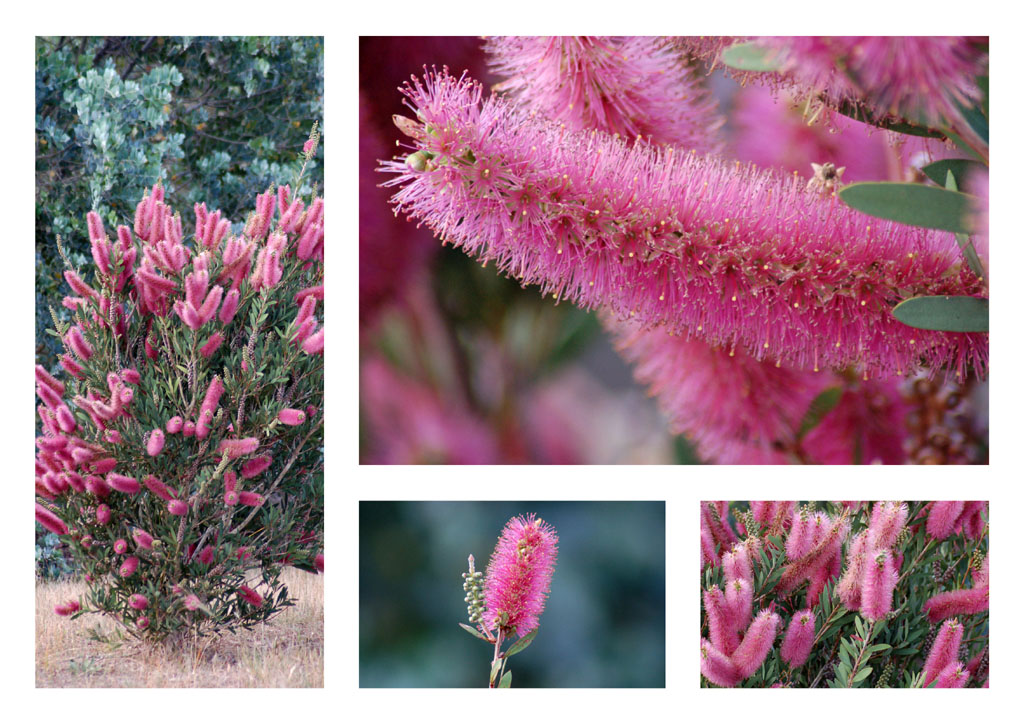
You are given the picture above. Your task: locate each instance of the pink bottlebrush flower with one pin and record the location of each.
(76, 342)
(736, 564)
(823, 576)
(246, 497)
(783, 253)
(157, 487)
(155, 444)
(877, 585)
(739, 599)
(801, 536)
(231, 497)
(130, 565)
(188, 429)
(191, 602)
(518, 577)
(977, 186)
(243, 553)
(255, 466)
(318, 561)
(97, 486)
(980, 576)
(138, 601)
(862, 423)
(120, 546)
(131, 376)
(250, 596)
(304, 330)
(104, 465)
(142, 622)
(230, 480)
(970, 517)
(142, 538)
(175, 424)
(632, 86)
(305, 311)
(229, 307)
(953, 676)
(713, 514)
(50, 521)
(211, 344)
(123, 483)
(723, 633)
(820, 555)
(945, 650)
(103, 514)
(66, 609)
(210, 304)
(45, 378)
(177, 507)
(716, 667)
(942, 518)
(65, 419)
(112, 436)
(209, 407)
(80, 287)
(235, 448)
(887, 521)
(317, 291)
(291, 416)
(196, 284)
(206, 555)
(796, 646)
(708, 548)
(314, 343)
(962, 602)
(73, 368)
(756, 644)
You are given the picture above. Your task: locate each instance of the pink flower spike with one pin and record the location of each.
(103, 514)
(72, 367)
(142, 622)
(76, 342)
(231, 497)
(211, 345)
(980, 576)
(953, 676)
(155, 444)
(723, 632)
(942, 518)
(235, 448)
(796, 646)
(318, 561)
(50, 521)
(130, 565)
(206, 555)
(66, 609)
(188, 429)
(739, 599)
(45, 378)
(123, 483)
(230, 480)
(877, 586)
(177, 507)
(138, 601)
(191, 602)
(254, 500)
(256, 466)
(716, 667)
(736, 564)
(757, 642)
(945, 650)
(229, 307)
(518, 577)
(250, 596)
(963, 602)
(120, 546)
(291, 416)
(175, 424)
(142, 538)
(314, 343)
(887, 520)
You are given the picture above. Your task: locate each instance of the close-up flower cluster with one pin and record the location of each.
(844, 594)
(180, 453)
(808, 244)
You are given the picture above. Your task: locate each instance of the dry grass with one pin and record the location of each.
(286, 652)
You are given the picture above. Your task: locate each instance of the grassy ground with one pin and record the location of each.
(287, 651)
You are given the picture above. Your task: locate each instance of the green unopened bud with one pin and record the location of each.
(417, 161)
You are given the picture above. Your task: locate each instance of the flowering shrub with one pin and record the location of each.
(511, 597)
(597, 171)
(856, 594)
(181, 458)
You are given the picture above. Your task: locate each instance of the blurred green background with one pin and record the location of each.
(604, 624)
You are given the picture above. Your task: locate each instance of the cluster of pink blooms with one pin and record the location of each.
(814, 551)
(203, 289)
(518, 577)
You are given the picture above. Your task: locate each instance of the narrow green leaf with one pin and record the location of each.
(521, 643)
(963, 145)
(905, 652)
(909, 203)
(495, 668)
(889, 123)
(976, 120)
(961, 168)
(844, 655)
(963, 240)
(862, 674)
(875, 648)
(820, 406)
(946, 314)
(506, 681)
(858, 623)
(474, 632)
(751, 57)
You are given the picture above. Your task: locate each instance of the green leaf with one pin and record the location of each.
(506, 681)
(889, 123)
(521, 643)
(960, 167)
(909, 203)
(495, 668)
(904, 651)
(751, 57)
(820, 406)
(862, 674)
(874, 648)
(976, 120)
(946, 314)
(474, 632)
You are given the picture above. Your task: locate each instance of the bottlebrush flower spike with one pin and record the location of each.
(796, 646)
(716, 667)
(236, 448)
(877, 585)
(103, 514)
(587, 226)
(820, 555)
(155, 443)
(255, 466)
(130, 565)
(177, 507)
(50, 521)
(123, 483)
(66, 609)
(120, 546)
(723, 634)
(954, 676)
(736, 564)
(887, 521)
(138, 601)
(175, 424)
(250, 596)
(739, 599)
(980, 576)
(942, 518)
(756, 644)
(142, 538)
(962, 602)
(944, 651)
(712, 514)
(632, 86)
(291, 416)
(518, 577)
